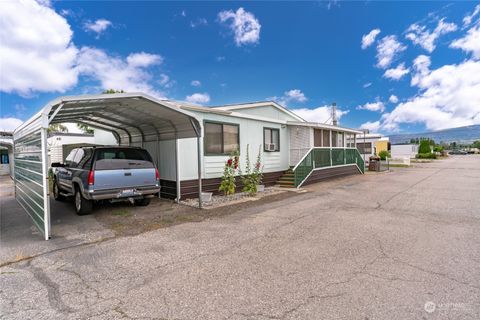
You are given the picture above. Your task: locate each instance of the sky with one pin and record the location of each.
(391, 67)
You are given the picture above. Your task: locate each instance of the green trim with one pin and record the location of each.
(222, 123)
(270, 128)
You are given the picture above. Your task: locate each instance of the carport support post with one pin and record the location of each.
(177, 170)
(199, 160)
(46, 191)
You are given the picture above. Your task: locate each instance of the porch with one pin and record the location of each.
(320, 151)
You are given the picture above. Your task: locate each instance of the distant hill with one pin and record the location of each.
(465, 135)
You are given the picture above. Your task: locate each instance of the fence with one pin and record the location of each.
(318, 158)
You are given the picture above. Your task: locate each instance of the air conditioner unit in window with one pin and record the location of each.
(270, 147)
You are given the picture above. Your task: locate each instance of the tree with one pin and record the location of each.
(85, 128)
(57, 127)
(424, 147)
(476, 144)
(383, 154)
(113, 91)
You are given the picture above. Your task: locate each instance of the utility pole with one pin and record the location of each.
(334, 114)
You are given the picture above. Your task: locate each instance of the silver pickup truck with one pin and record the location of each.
(105, 173)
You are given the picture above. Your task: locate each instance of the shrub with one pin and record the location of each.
(383, 154)
(424, 147)
(426, 156)
(252, 178)
(228, 179)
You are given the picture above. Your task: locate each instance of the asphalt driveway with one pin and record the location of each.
(397, 245)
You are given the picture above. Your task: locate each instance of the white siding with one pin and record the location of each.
(404, 151)
(267, 112)
(251, 133)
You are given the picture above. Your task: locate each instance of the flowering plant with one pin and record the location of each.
(227, 186)
(252, 178)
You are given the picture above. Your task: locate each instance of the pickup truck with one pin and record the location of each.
(105, 173)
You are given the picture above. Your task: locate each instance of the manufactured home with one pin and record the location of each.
(371, 144)
(6, 153)
(189, 144)
(285, 140)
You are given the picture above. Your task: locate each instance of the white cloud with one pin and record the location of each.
(366, 85)
(98, 26)
(165, 81)
(36, 52)
(448, 97)
(393, 99)
(143, 59)
(198, 98)
(470, 42)
(371, 126)
(220, 58)
(373, 106)
(421, 66)
(396, 73)
(320, 115)
(198, 22)
(467, 20)
(387, 49)
(294, 95)
(196, 83)
(245, 26)
(369, 39)
(114, 72)
(9, 124)
(425, 38)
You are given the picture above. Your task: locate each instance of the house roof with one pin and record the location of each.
(323, 126)
(259, 104)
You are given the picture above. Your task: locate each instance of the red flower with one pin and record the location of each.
(236, 163)
(229, 162)
(257, 165)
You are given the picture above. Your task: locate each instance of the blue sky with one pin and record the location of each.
(389, 66)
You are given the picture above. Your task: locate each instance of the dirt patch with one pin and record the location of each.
(127, 220)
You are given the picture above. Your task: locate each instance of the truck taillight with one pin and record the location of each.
(91, 178)
(157, 175)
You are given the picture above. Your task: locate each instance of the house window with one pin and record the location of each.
(364, 148)
(326, 138)
(221, 138)
(271, 139)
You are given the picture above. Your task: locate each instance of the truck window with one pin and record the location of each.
(122, 158)
(84, 162)
(70, 157)
(77, 158)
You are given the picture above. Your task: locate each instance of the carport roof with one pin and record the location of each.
(131, 117)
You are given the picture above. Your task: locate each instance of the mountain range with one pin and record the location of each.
(462, 135)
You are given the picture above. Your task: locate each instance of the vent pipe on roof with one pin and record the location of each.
(334, 114)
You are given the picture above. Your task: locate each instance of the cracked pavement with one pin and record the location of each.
(377, 246)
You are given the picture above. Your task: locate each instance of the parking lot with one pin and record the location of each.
(403, 244)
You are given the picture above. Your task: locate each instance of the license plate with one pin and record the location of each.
(128, 192)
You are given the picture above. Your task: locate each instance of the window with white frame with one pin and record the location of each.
(271, 139)
(221, 138)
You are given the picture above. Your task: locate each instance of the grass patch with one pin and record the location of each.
(122, 213)
(399, 165)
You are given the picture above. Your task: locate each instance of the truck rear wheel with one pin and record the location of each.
(82, 205)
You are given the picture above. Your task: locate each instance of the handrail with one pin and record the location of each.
(323, 157)
(306, 154)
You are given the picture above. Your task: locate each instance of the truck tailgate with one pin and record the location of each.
(124, 178)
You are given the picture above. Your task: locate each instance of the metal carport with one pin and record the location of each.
(135, 119)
